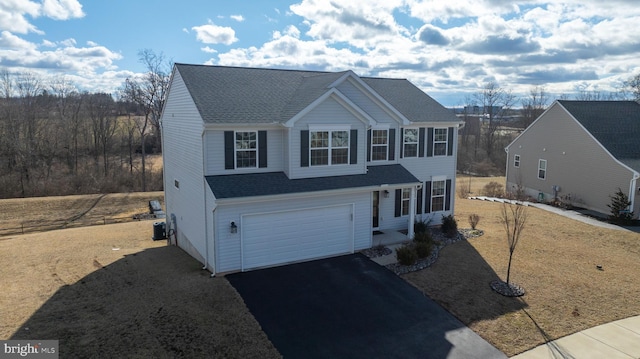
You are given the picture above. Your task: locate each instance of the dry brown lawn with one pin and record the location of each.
(555, 262)
(110, 291)
(46, 213)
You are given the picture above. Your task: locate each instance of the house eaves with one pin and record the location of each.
(233, 188)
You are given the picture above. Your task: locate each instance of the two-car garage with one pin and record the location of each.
(280, 237)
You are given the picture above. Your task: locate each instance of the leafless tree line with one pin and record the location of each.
(58, 140)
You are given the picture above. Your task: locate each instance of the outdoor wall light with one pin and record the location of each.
(386, 194)
(233, 228)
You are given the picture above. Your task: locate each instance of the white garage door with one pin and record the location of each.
(282, 237)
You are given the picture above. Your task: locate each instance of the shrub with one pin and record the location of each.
(449, 225)
(421, 227)
(493, 189)
(619, 206)
(473, 220)
(420, 237)
(406, 255)
(423, 249)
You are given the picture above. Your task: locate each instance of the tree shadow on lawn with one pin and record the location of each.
(460, 281)
(155, 303)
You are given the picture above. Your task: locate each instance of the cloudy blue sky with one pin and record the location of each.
(448, 48)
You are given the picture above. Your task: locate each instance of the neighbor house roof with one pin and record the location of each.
(276, 183)
(615, 124)
(253, 95)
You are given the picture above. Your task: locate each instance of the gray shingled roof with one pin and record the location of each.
(274, 183)
(615, 124)
(252, 95)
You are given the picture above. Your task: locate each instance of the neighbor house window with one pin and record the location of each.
(410, 142)
(438, 195)
(379, 145)
(440, 142)
(406, 201)
(246, 149)
(516, 161)
(542, 169)
(329, 147)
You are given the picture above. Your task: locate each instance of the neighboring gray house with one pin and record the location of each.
(264, 167)
(581, 152)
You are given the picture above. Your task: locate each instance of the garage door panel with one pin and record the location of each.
(282, 237)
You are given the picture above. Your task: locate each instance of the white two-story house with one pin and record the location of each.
(264, 167)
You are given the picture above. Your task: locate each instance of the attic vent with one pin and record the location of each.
(176, 183)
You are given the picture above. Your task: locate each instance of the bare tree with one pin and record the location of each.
(495, 101)
(101, 111)
(534, 105)
(513, 218)
(633, 83)
(154, 85)
(148, 93)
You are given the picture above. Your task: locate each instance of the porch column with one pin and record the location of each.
(412, 212)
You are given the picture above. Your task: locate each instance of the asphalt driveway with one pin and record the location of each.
(350, 307)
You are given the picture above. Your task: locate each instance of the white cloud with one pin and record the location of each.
(238, 18)
(61, 9)
(213, 34)
(209, 50)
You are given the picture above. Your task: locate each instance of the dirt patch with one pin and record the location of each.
(556, 263)
(111, 291)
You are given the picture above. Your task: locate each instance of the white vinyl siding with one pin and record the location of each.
(182, 162)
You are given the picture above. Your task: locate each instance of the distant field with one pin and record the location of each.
(47, 213)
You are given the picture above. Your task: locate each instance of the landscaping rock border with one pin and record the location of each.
(441, 241)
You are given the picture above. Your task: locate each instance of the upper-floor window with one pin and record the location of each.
(516, 161)
(379, 145)
(329, 147)
(438, 195)
(246, 149)
(542, 169)
(439, 141)
(410, 142)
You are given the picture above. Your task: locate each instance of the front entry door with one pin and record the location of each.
(376, 209)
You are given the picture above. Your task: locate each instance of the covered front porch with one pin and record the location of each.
(389, 237)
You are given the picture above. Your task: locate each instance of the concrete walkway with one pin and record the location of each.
(563, 212)
(619, 339)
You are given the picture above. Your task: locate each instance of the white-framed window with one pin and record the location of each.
(440, 141)
(246, 149)
(329, 147)
(516, 161)
(438, 193)
(379, 145)
(542, 169)
(410, 142)
(406, 201)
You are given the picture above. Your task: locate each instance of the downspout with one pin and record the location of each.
(213, 221)
(632, 191)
